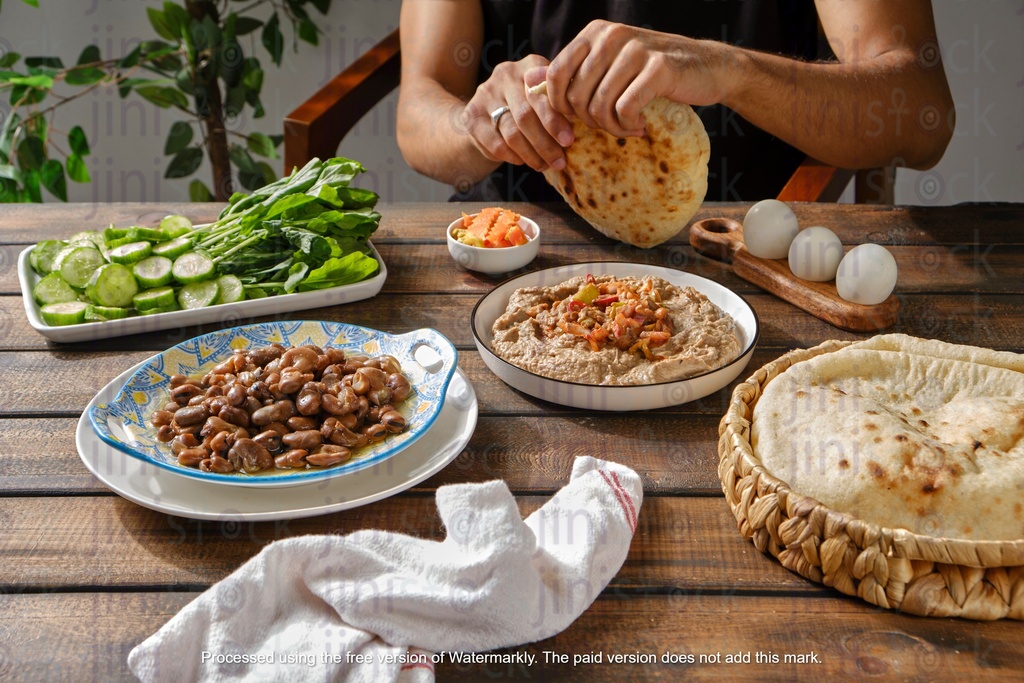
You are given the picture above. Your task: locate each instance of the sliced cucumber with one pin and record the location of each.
(132, 252)
(112, 285)
(159, 297)
(42, 255)
(154, 271)
(94, 313)
(231, 289)
(198, 294)
(112, 233)
(121, 241)
(194, 266)
(78, 265)
(52, 289)
(172, 249)
(67, 313)
(148, 234)
(88, 238)
(175, 226)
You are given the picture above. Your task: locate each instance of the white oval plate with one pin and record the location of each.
(223, 314)
(164, 491)
(428, 359)
(613, 398)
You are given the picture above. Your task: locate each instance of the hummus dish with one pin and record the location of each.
(614, 331)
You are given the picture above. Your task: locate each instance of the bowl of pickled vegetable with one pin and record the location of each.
(493, 241)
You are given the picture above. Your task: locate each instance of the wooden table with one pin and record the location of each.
(86, 575)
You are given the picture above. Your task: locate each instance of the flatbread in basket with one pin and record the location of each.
(891, 469)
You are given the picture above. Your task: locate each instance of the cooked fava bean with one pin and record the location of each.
(292, 459)
(270, 439)
(307, 439)
(236, 416)
(191, 457)
(249, 456)
(299, 423)
(310, 406)
(190, 415)
(215, 463)
(162, 417)
(327, 455)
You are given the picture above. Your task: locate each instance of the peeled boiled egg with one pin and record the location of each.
(815, 254)
(867, 275)
(768, 229)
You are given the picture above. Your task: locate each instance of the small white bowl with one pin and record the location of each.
(496, 260)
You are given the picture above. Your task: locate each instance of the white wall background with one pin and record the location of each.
(982, 43)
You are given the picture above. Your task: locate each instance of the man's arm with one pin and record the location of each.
(444, 126)
(885, 101)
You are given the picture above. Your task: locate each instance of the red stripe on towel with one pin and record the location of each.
(622, 497)
(629, 499)
(418, 665)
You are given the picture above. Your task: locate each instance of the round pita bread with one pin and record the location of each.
(638, 190)
(904, 433)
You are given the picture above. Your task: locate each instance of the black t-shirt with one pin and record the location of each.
(746, 163)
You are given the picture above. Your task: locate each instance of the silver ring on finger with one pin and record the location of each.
(498, 113)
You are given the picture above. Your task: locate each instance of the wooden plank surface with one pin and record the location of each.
(429, 269)
(691, 583)
(106, 542)
(991, 320)
(532, 454)
(87, 637)
(426, 222)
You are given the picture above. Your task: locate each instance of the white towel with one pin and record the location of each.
(373, 606)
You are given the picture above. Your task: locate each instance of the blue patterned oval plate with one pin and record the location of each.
(428, 359)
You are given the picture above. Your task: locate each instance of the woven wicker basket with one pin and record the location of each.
(891, 568)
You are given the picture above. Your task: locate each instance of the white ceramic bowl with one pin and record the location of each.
(616, 398)
(497, 260)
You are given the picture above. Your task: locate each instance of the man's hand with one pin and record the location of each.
(610, 72)
(532, 132)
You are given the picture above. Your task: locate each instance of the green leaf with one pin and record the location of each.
(178, 138)
(240, 158)
(323, 6)
(261, 144)
(254, 101)
(9, 59)
(272, 39)
(38, 81)
(31, 153)
(183, 79)
(163, 97)
(52, 62)
(77, 169)
(340, 271)
(30, 181)
(78, 142)
(309, 32)
(10, 124)
(246, 25)
(198, 192)
(52, 177)
(235, 101)
(256, 179)
(82, 73)
(160, 25)
(33, 3)
(252, 76)
(131, 59)
(177, 20)
(10, 172)
(232, 61)
(185, 163)
(289, 203)
(90, 55)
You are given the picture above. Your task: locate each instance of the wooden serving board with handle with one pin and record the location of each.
(722, 239)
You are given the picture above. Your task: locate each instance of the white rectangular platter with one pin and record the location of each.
(225, 314)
